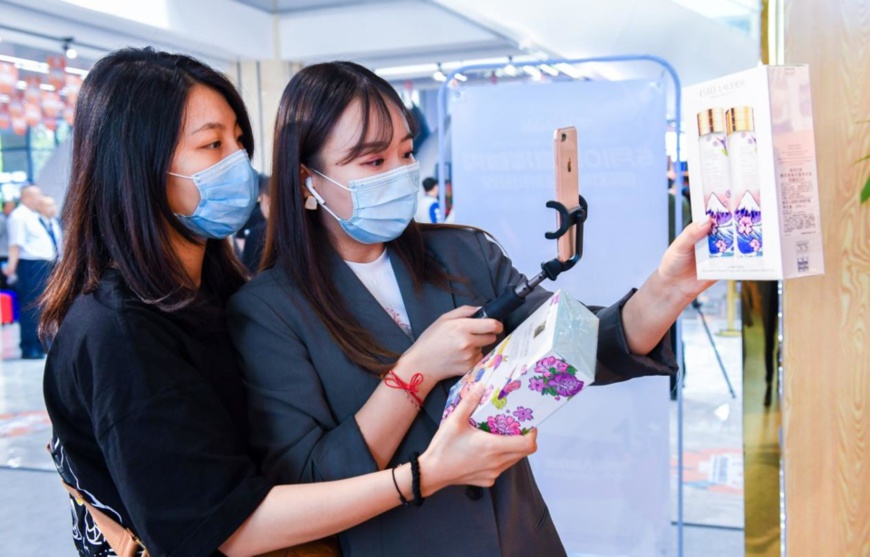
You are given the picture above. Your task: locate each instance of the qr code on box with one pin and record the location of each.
(803, 264)
(803, 257)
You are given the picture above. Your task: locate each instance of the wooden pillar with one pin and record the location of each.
(827, 319)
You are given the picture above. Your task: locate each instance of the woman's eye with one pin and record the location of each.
(409, 155)
(376, 163)
(214, 145)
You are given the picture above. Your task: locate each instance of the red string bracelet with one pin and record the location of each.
(410, 389)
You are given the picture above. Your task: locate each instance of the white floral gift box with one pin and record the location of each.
(533, 372)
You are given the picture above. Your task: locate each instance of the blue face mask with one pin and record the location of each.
(228, 192)
(383, 204)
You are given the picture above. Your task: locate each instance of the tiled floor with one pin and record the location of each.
(713, 433)
(34, 516)
(713, 420)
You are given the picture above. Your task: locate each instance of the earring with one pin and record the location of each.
(310, 203)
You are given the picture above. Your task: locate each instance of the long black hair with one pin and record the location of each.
(312, 104)
(128, 120)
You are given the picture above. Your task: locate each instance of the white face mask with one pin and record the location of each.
(383, 204)
(228, 192)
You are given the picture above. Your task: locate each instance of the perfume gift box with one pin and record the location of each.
(752, 169)
(543, 364)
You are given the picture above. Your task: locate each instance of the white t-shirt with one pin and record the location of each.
(30, 235)
(428, 209)
(380, 279)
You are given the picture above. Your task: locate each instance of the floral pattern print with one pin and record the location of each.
(503, 425)
(523, 414)
(556, 378)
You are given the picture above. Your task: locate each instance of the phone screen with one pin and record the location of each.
(567, 183)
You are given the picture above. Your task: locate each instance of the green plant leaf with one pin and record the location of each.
(484, 426)
(865, 193)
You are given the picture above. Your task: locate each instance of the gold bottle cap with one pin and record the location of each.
(740, 119)
(711, 120)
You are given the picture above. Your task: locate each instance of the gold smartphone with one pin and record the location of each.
(567, 183)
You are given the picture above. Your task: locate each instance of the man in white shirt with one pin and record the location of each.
(8, 207)
(428, 208)
(32, 252)
(48, 216)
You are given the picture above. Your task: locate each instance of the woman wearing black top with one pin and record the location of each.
(141, 382)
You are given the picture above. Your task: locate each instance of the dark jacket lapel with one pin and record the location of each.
(424, 306)
(368, 311)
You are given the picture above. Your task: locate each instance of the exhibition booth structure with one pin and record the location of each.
(603, 463)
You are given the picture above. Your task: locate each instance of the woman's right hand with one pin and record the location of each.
(460, 454)
(451, 346)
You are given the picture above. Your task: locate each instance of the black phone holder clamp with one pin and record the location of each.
(511, 299)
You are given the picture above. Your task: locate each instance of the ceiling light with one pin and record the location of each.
(70, 52)
(547, 68)
(570, 70)
(439, 75)
(532, 71)
(37, 67)
(460, 77)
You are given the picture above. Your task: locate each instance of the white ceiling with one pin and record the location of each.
(388, 33)
(699, 47)
(382, 33)
(285, 6)
(99, 26)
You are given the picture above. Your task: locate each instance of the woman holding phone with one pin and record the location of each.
(357, 327)
(141, 382)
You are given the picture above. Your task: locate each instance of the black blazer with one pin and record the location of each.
(303, 393)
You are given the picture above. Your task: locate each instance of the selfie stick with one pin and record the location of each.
(513, 298)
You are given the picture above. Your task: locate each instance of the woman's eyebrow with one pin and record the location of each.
(208, 126)
(211, 126)
(370, 146)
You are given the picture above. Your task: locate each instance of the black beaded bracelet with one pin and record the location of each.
(395, 483)
(415, 479)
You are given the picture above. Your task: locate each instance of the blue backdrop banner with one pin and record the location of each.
(603, 460)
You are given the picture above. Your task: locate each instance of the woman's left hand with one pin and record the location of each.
(677, 267)
(648, 314)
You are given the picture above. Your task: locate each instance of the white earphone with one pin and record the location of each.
(309, 184)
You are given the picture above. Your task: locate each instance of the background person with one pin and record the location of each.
(8, 207)
(428, 208)
(49, 220)
(255, 234)
(32, 253)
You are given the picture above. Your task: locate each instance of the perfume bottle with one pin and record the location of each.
(746, 190)
(716, 181)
